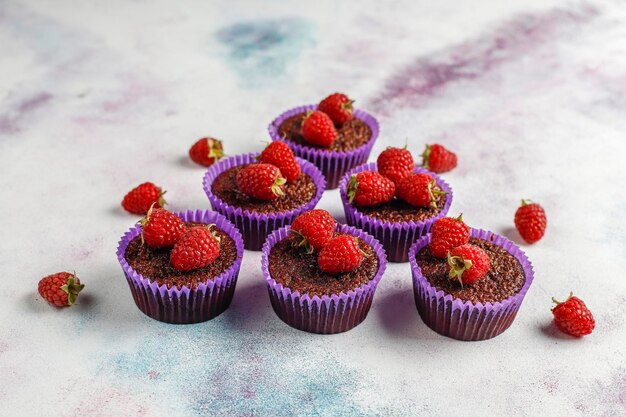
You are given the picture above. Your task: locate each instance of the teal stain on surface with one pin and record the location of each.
(263, 51)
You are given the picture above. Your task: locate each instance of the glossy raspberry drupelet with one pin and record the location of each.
(206, 151)
(338, 107)
(319, 129)
(281, 156)
(448, 233)
(530, 221)
(161, 229)
(438, 159)
(419, 190)
(313, 229)
(261, 181)
(197, 248)
(341, 255)
(468, 263)
(369, 188)
(395, 163)
(141, 198)
(573, 317)
(60, 289)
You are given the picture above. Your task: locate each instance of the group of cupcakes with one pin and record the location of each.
(321, 275)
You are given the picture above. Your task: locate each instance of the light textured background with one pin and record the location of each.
(96, 97)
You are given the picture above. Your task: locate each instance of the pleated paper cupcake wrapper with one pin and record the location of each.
(396, 237)
(465, 320)
(256, 226)
(184, 305)
(333, 164)
(326, 314)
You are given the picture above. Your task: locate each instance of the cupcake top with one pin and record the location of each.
(154, 263)
(468, 265)
(296, 193)
(316, 259)
(294, 268)
(331, 125)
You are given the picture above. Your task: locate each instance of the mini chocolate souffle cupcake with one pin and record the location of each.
(479, 310)
(352, 146)
(173, 296)
(396, 224)
(257, 218)
(309, 298)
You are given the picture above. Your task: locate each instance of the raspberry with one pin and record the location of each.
(161, 229)
(141, 198)
(60, 289)
(468, 263)
(448, 233)
(206, 151)
(281, 156)
(318, 129)
(438, 159)
(261, 181)
(369, 188)
(197, 248)
(530, 221)
(395, 163)
(342, 254)
(338, 107)
(313, 229)
(573, 317)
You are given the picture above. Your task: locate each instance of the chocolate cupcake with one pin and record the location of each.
(255, 218)
(305, 297)
(477, 311)
(166, 294)
(395, 224)
(351, 148)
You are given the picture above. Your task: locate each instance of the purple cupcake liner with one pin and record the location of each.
(256, 226)
(465, 320)
(184, 305)
(333, 164)
(396, 237)
(327, 314)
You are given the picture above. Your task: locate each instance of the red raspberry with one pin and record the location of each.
(141, 198)
(468, 263)
(261, 181)
(342, 254)
(60, 289)
(313, 229)
(419, 190)
(318, 129)
(161, 229)
(530, 221)
(197, 248)
(438, 159)
(448, 233)
(338, 107)
(369, 188)
(395, 163)
(573, 317)
(280, 155)
(206, 151)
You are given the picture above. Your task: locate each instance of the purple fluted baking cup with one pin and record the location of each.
(184, 305)
(327, 314)
(256, 226)
(333, 164)
(396, 237)
(465, 320)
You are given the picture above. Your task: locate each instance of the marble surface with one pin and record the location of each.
(96, 97)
